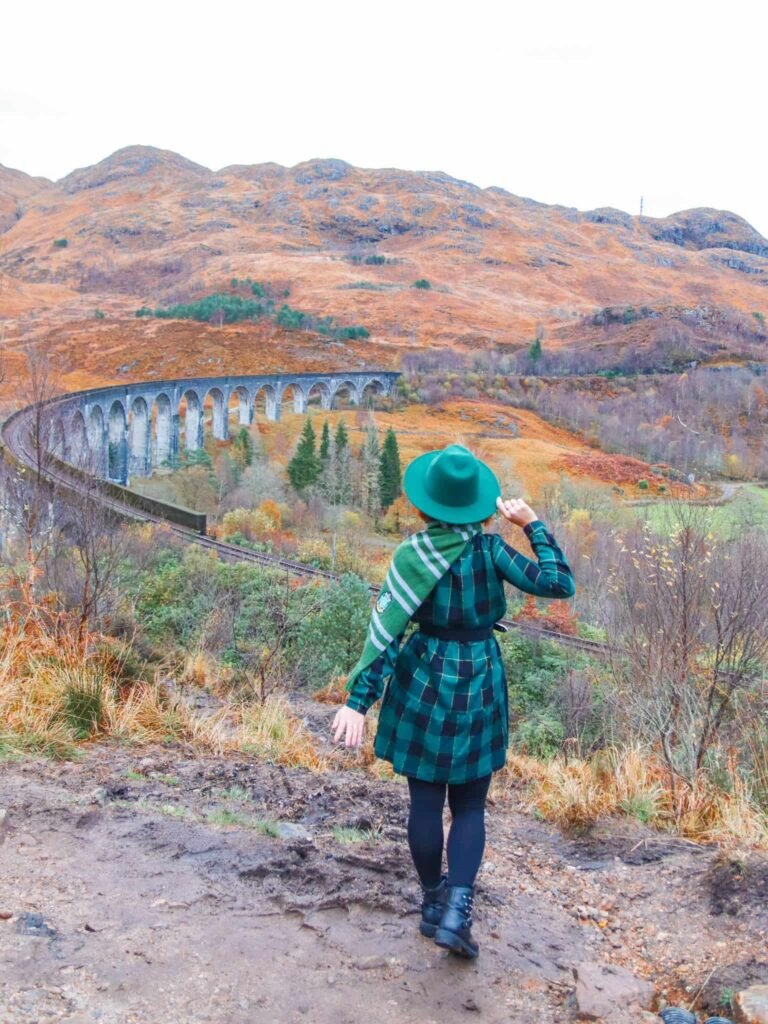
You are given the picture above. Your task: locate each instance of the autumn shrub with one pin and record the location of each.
(554, 696)
(243, 615)
(248, 524)
(401, 517)
(314, 551)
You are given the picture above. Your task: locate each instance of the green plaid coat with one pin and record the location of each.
(444, 716)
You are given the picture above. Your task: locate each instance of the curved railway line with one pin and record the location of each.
(16, 437)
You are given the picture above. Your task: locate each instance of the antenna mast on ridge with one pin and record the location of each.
(641, 206)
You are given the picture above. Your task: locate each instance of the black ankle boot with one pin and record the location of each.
(432, 904)
(454, 930)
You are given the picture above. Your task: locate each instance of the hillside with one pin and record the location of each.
(148, 227)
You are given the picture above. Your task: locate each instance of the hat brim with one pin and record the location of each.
(485, 505)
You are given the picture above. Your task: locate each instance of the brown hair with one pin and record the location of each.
(428, 519)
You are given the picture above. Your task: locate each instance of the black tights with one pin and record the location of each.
(466, 837)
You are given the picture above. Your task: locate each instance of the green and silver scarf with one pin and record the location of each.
(417, 564)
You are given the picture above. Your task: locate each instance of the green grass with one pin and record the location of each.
(9, 749)
(236, 794)
(134, 776)
(356, 835)
(726, 998)
(750, 504)
(169, 780)
(176, 811)
(83, 708)
(225, 816)
(641, 806)
(14, 748)
(268, 827)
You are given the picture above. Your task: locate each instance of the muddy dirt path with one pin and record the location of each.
(136, 886)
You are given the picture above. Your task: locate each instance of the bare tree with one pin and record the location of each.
(89, 543)
(27, 497)
(687, 619)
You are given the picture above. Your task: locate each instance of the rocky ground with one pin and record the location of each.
(143, 885)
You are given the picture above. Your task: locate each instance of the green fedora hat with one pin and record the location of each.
(452, 485)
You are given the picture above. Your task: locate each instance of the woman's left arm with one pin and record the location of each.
(549, 576)
(369, 685)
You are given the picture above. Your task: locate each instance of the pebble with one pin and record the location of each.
(293, 830)
(369, 963)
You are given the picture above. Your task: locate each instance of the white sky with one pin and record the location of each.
(585, 103)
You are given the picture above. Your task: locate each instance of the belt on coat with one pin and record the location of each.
(459, 633)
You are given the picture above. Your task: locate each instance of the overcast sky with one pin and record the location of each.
(580, 103)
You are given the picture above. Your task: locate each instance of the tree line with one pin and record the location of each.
(327, 466)
(221, 308)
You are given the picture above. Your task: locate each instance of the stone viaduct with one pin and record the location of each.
(123, 431)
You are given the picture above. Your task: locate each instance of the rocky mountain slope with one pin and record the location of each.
(148, 227)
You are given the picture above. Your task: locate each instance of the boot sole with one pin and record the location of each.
(454, 942)
(428, 929)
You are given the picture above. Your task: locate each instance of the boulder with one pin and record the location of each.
(605, 990)
(293, 830)
(751, 1005)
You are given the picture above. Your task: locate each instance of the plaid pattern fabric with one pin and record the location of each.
(416, 566)
(444, 716)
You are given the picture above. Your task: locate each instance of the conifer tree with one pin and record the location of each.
(325, 442)
(304, 467)
(342, 437)
(534, 350)
(242, 448)
(390, 474)
(370, 497)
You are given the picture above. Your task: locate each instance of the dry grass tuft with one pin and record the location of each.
(333, 692)
(200, 668)
(271, 732)
(634, 782)
(57, 692)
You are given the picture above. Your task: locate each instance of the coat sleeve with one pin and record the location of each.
(369, 685)
(549, 576)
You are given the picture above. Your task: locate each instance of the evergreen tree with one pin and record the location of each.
(370, 497)
(534, 350)
(304, 467)
(325, 442)
(390, 474)
(242, 448)
(342, 437)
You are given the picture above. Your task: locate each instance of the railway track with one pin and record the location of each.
(16, 438)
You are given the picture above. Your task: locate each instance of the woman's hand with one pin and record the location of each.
(350, 724)
(516, 511)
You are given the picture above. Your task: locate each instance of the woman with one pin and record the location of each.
(444, 717)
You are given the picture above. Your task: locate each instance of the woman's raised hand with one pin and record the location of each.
(350, 724)
(516, 511)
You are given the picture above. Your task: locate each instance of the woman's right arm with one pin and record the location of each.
(550, 575)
